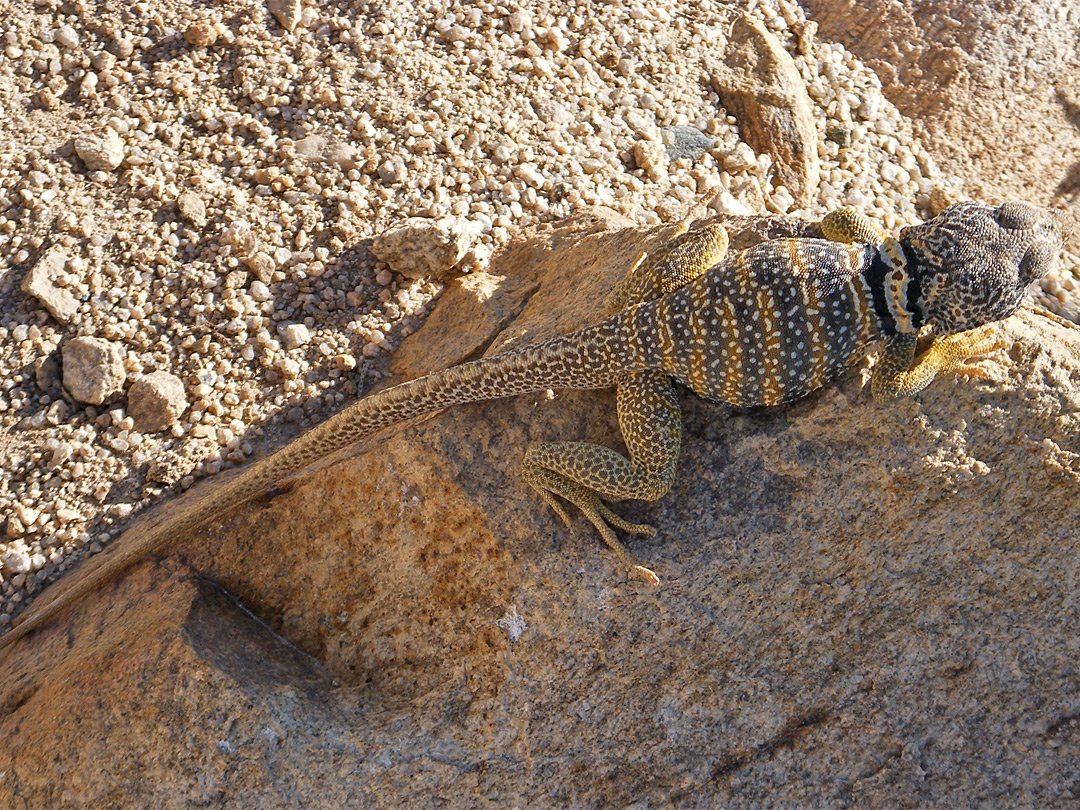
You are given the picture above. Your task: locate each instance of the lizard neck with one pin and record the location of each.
(894, 278)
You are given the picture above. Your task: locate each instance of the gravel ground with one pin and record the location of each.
(198, 188)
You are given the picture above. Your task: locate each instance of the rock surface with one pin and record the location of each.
(860, 606)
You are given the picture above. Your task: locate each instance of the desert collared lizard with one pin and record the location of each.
(762, 326)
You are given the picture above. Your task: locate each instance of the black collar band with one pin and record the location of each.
(875, 277)
(914, 287)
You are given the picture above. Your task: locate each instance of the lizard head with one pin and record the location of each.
(972, 263)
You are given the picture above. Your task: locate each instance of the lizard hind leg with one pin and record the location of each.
(587, 474)
(551, 484)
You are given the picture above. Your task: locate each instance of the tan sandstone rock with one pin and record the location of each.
(48, 282)
(418, 247)
(860, 606)
(93, 369)
(156, 401)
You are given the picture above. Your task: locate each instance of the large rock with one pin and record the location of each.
(156, 401)
(93, 369)
(860, 605)
(759, 83)
(102, 152)
(419, 248)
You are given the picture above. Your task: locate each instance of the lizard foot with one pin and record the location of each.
(955, 352)
(550, 484)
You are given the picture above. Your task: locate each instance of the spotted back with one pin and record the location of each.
(767, 325)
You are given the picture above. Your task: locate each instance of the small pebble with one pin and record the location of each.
(287, 12)
(16, 559)
(259, 291)
(47, 281)
(67, 36)
(192, 208)
(295, 335)
(100, 152)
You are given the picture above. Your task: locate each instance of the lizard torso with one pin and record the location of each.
(768, 325)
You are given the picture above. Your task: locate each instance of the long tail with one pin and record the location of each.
(582, 359)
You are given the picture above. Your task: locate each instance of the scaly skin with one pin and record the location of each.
(761, 327)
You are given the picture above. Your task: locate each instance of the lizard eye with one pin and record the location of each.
(1017, 215)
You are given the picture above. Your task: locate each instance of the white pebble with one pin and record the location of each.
(16, 559)
(295, 335)
(259, 291)
(67, 36)
(530, 174)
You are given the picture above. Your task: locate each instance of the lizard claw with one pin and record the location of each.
(551, 484)
(958, 351)
(643, 574)
(971, 372)
(988, 345)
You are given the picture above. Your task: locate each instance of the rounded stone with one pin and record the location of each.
(156, 401)
(16, 559)
(100, 152)
(93, 369)
(200, 35)
(295, 335)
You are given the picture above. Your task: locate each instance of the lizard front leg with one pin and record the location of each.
(899, 373)
(851, 226)
(684, 257)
